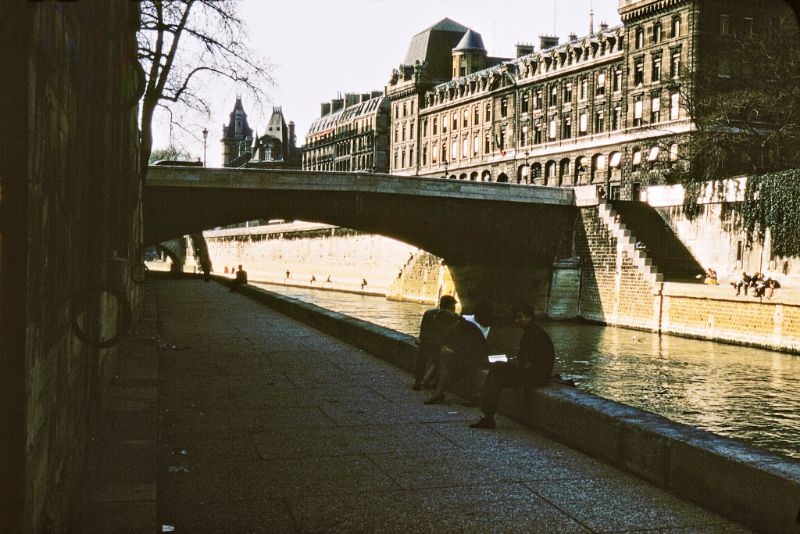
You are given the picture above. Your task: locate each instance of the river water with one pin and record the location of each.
(745, 393)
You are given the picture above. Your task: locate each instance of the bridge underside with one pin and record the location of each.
(463, 231)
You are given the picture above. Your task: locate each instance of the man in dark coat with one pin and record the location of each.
(435, 323)
(465, 349)
(532, 367)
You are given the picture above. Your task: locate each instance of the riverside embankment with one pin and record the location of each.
(738, 481)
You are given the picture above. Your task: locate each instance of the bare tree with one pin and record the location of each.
(181, 42)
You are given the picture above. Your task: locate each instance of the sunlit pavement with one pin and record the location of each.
(266, 425)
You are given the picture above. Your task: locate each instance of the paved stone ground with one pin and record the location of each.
(266, 425)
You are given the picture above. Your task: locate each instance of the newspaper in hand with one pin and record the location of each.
(494, 358)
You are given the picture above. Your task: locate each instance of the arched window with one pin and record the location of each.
(486, 176)
(473, 176)
(563, 172)
(598, 167)
(536, 173)
(523, 174)
(550, 173)
(581, 171)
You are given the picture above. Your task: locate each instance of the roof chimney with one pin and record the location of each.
(573, 37)
(523, 49)
(547, 41)
(325, 108)
(336, 104)
(350, 99)
(603, 26)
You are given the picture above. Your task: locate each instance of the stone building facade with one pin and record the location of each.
(607, 108)
(351, 134)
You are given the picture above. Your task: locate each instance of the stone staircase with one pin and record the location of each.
(664, 258)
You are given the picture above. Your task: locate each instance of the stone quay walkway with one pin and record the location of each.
(266, 425)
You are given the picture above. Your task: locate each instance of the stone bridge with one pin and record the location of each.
(467, 223)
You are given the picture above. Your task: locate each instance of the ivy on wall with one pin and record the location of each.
(772, 203)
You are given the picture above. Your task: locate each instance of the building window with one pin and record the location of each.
(616, 118)
(724, 25)
(599, 121)
(524, 103)
(638, 72)
(411, 156)
(411, 130)
(396, 160)
(487, 114)
(617, 80)
(553, 95)
(584, 88)
(503, 107)
(464, 119)
(674, 106)
(397, 111)
(403, 160)
(444, 152)
(748, 26)
(637, 111)
(656, 33)
(425, 128)
(476, 145)
(637, 157)
(454, 150)
(405, 126)
(445, 120)
(675, 65)
(656, 73)
(455, 121)
(537, 99)
(487, 143)
(537, 134)
(435, 128)
(583, 125)
(655, 110)
(502, 145)
(435, 154)
(653, 154)
(567, 127)
(552, 130)
(477, 118)
(568, 92)
(676, 27)
(464, 147)
(639, 43)
(424, 154)
(674, 152)
(523, 136)
(600, 90)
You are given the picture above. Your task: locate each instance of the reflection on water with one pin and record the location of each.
(746, 393)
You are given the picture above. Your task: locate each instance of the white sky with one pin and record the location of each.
(322, 47)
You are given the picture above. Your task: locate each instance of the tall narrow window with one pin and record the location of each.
(676, 27)
(616, 118)
(675, 65)
(487, 115)
(584, 88)
(537, 99)
(655, 110)
(617, 80)
(583, 123)
(568, 92)
(504, 107)
(600, 90)
(455, 120)
(724, 25)
(599, 121)
(637, 111)
(656, 72)
(656, 33)
(639, 43)
(477, 118)
(523, 136)
(553, 95)
(552, 130)
(445, 120)
(524, 103)
(537, 134)
(435, 126)
(674, 106)
(638, 72)
(567, 127)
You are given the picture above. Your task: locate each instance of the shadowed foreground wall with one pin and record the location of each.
(70, 205)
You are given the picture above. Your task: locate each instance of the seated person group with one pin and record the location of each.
(453, 347)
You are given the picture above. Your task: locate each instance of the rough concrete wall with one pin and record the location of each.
(613, 290)
(68, 175)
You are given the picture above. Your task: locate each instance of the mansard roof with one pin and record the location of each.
(471, 41)
(434, 45)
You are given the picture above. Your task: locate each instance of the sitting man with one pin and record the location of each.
(435, 323)
(742, 283)
(533, 366)
(240, 280)
(464, 350)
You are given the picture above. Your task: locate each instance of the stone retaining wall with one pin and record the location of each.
(745, 484)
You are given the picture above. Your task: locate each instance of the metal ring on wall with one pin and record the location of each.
(81, 301)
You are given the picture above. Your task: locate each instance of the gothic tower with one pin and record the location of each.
(237, 136)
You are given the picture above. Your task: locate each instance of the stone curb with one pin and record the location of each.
(740, 482)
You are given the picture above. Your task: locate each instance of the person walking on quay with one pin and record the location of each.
(532, 367)
(435, 323)
(240, 280)
(464, 349)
